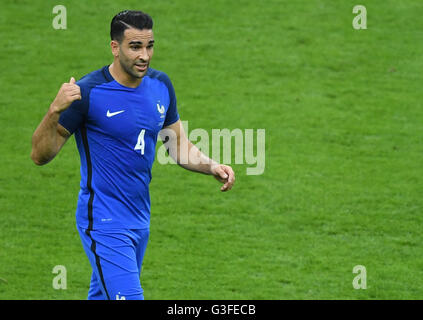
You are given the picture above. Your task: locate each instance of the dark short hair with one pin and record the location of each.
(129, 19)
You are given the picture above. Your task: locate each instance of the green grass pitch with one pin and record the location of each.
(343, 113)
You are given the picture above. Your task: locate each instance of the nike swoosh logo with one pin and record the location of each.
(111, 114)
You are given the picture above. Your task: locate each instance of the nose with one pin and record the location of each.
(144, 55)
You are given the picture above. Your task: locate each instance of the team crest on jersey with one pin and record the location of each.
(160, 109)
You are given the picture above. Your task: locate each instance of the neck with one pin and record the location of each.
(123, 77)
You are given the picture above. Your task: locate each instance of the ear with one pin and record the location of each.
(115, 48)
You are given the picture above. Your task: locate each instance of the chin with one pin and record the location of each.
(139, 74)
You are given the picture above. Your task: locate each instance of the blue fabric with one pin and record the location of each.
(116, 259)
(116, 130)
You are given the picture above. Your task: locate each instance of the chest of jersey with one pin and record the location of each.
(122, 113)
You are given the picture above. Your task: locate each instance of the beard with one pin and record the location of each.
(129, 67)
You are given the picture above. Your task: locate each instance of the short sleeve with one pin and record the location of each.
(172, 114)
(74, 116)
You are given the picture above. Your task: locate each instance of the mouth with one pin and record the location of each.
(141, 66)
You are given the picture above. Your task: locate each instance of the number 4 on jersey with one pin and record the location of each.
(140, 144)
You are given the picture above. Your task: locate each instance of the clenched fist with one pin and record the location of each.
(68, 93)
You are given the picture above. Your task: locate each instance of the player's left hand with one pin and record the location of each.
(224, 174)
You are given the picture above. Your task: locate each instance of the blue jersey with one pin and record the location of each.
(116, 130)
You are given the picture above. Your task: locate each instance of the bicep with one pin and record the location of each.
(71, 119)
(174, 132)
(176, 142)
(74, 116)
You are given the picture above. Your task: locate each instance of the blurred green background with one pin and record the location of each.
(342, 110)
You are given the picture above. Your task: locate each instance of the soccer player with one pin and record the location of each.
(116, 114)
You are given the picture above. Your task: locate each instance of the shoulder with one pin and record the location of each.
(160, 76)
(94, 78)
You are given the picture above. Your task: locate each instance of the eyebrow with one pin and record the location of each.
(140, 42)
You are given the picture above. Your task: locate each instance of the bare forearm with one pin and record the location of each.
(45, 139)
(191, 158)
(194, 160)
(49, 137)
(198, 162)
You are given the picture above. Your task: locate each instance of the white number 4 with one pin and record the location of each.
(141, 144)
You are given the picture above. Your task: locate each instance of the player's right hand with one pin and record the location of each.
(68, 93)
